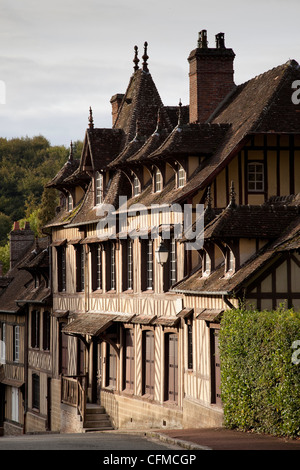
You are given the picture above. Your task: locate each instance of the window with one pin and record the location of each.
(180, 177)
(2, 343)
(80, 272)
(35, 391)
(136, 186)
(46, 331)
(63, 350)
(61, 268)
(190, 344)
(230, 261)
(111, 366)
(147, 273)
(206, 264)
(16, 350)
(129, 361)
(149, 264)
(113, 268)
(35, 329)
(110, 269)
(171, 360)
(97, 267)
(255, 177)
(129, 265)
(69, 202)
(173, 261)
(148, 363)
(99, 188)
(157, 180)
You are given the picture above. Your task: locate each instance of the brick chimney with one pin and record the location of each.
(116, 101)
(211, 76)
(20, 242)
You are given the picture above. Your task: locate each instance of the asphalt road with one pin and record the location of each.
(88, 441)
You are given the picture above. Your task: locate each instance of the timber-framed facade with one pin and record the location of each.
(137, 335)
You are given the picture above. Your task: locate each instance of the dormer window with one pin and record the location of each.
(158, 181)
(255, 177)
(99, 188)
(230, 262)
(69, 202)
(206, 264)
(136, 186)
(180, 177)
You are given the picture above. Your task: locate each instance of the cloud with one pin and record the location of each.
(58, 58)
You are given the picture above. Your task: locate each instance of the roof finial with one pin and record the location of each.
(232, 196)
(136, 59)
(145, 58)
(180, 121)
(91, 120)
(209, 213)
(71, 152)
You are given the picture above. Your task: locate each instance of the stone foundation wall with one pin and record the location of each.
(35, 423)
(70, 420)
(197, 415)
(55, 405)
(133, 413)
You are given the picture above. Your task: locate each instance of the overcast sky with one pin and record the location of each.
(59, 57)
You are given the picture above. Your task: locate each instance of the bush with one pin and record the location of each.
(260, 379)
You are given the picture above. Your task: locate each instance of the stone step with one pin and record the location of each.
(96, 419)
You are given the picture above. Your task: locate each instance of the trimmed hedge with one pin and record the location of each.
(260, 370)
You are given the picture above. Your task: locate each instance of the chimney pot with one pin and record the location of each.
(211, 77)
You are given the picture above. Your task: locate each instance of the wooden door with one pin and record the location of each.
(215, 368)
(171, 373)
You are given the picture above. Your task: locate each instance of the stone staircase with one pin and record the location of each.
(96, 419)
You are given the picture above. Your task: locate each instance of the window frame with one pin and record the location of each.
(255, 181)
(70, 202)
(158, 180)
(180, 176)
(16, 343)
(61, 268)
(35, 329)
(136, 186)
(99, 186)
(97, 267)
(2, 342)
(128, 369)
(35, 391)
(80, 268)
(148, 363)
(46, 330)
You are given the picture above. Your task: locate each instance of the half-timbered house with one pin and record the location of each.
(137, 332)
(25, 329)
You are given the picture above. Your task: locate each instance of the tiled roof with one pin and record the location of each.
(218, 283)
(140, 104)
(265, 221)
(262, 104)
(21, 285)
(66, 171)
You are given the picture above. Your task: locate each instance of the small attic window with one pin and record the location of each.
(158, 181)
(255, 177)
(99, 188)
(69, 202)
(230, 262)
(136, 186)
(180, 176)
(206, 264)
